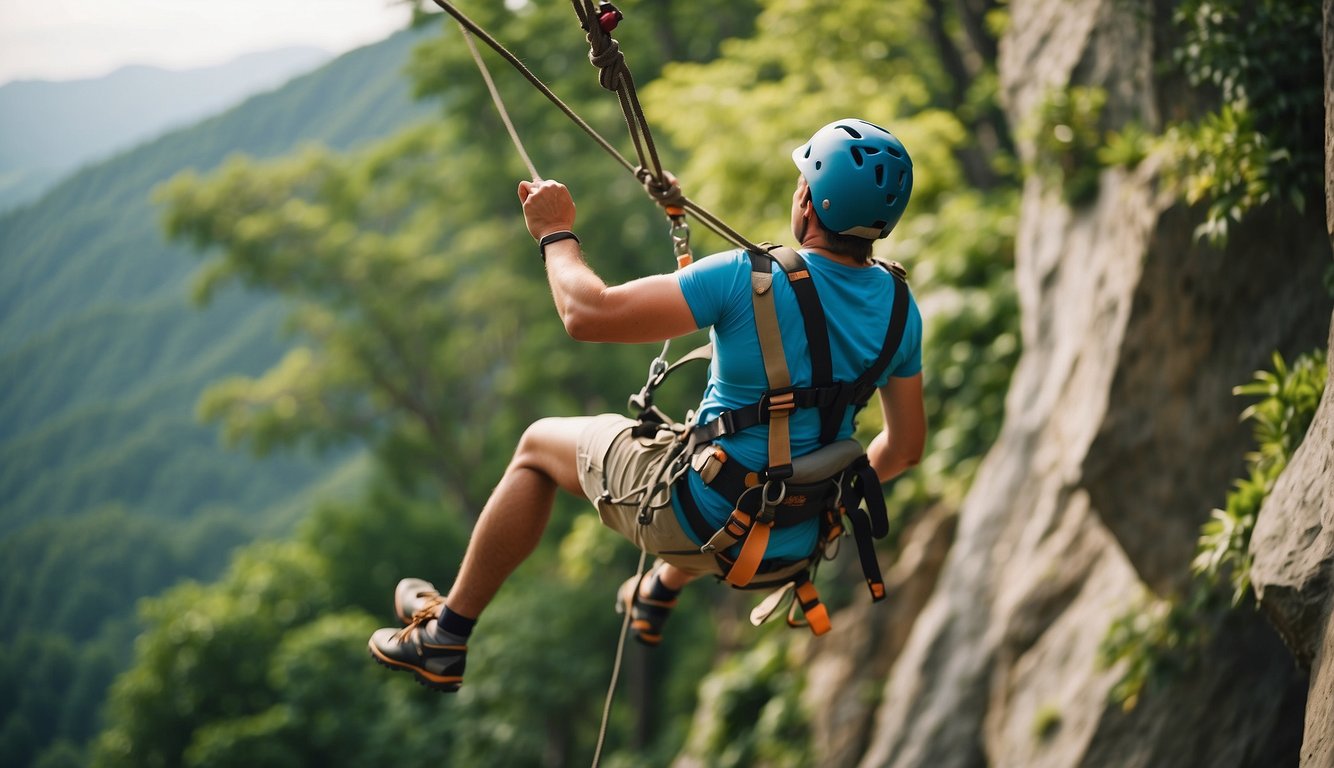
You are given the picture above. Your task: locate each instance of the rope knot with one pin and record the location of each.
(605, 54)
(665, 192)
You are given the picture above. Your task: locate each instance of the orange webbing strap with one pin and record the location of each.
(816, 616)
(735, 529)
(752, 552)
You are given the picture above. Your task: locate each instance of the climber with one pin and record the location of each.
(854, 183)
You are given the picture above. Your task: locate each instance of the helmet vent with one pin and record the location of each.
(818, 164)
(902, 175)
(889, 199)
(879, 175)
(893, 151)
(851, 132)
(857, 156)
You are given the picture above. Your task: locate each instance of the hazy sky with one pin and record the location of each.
(71, 39)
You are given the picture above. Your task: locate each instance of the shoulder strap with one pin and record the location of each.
(812, 313)
(864, 386)
(779, 402)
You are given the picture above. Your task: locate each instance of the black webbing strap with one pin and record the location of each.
(861, 533)
(802, 503)
(864, 386)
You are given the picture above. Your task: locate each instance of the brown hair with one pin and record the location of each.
(852, 246)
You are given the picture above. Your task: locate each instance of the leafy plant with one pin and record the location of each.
(760, 721)
(1067, 137)
(1157, 638)
(1224, 162)
(1265, 141)
(1289, 398)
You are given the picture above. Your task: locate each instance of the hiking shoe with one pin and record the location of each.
(646, 614)
(414, 596)
(436, 665)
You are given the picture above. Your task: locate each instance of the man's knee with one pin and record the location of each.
(549, 446)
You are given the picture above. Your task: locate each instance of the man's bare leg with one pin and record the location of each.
(516, 514)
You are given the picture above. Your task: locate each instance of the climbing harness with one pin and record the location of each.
(828, 485)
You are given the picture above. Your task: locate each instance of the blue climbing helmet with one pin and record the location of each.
(860, 177)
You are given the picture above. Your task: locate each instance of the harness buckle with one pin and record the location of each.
(779, 401)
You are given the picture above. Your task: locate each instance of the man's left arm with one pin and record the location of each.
(647, 309)
(899, 445)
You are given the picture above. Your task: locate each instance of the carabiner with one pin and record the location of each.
(679, 230)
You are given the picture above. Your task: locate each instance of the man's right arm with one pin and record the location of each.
(899, 445)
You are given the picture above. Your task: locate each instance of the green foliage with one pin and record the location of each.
(963, 277)
(1289, 398)
(1067, 138)
(1157, 638)
(1046, 722)
(110, 490)
(102, 355)
(1265, 141)
(754, 698)
(1072, 146)
(1224, 162)
(69, 588)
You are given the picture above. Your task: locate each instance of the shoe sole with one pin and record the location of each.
(441, 683)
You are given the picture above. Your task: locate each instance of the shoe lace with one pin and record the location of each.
(428, 611)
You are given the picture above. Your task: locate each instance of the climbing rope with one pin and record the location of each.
(656, 183)
(500, 104)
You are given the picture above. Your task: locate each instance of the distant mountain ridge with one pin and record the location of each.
(49, 129)
(101, 353)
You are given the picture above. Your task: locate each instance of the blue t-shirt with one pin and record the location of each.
(856, 303)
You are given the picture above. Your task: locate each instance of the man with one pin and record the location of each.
(855, 181)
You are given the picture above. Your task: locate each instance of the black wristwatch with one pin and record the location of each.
(554, 237)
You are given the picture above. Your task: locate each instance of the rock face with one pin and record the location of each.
(1293, 542)
(1293, 550)
(1121, 434)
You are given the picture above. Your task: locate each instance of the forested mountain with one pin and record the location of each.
(101, 350)
(110, 487)
(1099, 199)
(48, 129)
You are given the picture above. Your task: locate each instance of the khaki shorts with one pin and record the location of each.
(616, 469)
